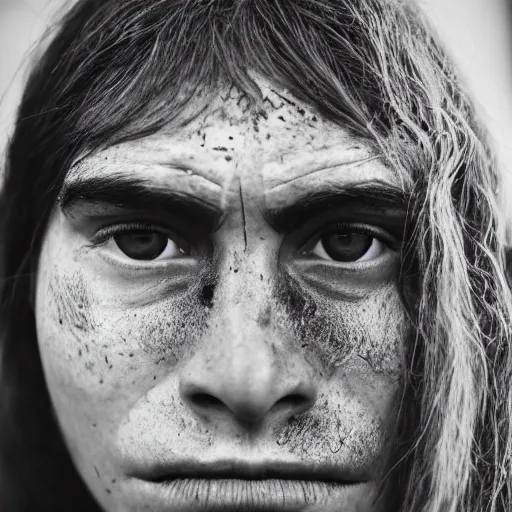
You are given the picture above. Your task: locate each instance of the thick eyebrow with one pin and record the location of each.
(374, 196)
(135, 194)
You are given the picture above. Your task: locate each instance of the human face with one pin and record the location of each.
(218, 317)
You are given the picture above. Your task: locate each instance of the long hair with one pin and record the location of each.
(122, 69)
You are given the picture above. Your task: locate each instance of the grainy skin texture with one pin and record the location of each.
(126, 347)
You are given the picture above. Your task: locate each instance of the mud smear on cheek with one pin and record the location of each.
(333, 331)
(167, 329)
(71, 305)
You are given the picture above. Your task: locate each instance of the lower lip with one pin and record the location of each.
(229, 495)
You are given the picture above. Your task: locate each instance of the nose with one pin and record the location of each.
(244, 373)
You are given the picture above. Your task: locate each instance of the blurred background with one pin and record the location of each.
(478, 34)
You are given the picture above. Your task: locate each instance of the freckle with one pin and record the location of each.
(80, 306)
(79, 352)
(114, 480)
(304, 345)
(101, 381)
(281, 118)
(94, 425)
(230, 138)
(134, 315)
(121, 353)
(228, 158)
(268, 136)
(302, 111)
(131, 354)
(110, 367)
(154, 377)
(261, 277)
(202, 145)
(60, 321)
(106, 359)
(235, 270)
(108, 491)
(314, 119)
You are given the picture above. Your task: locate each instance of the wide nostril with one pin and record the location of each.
(205, 401)
(294, 403)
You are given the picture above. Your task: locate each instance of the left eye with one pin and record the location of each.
(348, 245)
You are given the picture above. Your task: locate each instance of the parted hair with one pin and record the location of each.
(116, 70)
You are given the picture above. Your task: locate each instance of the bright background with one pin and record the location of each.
(478, 33)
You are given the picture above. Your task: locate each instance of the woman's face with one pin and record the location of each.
(218, 317)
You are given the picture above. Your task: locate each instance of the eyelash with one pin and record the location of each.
(364, 229)
(105, 234)
(108, 233)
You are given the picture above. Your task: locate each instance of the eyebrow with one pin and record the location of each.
(375, 195)
(136, 194)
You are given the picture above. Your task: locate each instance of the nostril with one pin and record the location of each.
(294, 402)
(206, 401)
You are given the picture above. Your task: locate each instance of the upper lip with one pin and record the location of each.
(250, 470)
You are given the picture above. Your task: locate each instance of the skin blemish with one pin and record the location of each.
(265, 316)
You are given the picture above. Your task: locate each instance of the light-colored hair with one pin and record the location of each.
(121, 69)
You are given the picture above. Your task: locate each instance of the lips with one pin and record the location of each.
(249, 470)
(231, 485)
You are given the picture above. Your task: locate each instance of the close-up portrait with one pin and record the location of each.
(253, 257)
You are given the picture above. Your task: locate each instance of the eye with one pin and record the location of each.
(347, 244)
(143, 243)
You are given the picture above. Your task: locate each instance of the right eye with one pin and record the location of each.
(142, 243)
(147, 245)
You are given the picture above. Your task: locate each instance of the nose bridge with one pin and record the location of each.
(241, 331)
(242, 367)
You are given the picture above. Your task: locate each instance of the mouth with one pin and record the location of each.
(242, 485)
(244, 470)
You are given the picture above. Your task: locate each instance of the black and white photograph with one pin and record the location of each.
(255, 256)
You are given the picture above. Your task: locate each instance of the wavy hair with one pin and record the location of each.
(122, 69)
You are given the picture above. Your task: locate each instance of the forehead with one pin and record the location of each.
(275, 146)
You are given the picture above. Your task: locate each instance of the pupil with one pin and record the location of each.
(346, 246)
(142, 245)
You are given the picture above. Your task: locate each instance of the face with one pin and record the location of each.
(218, 316)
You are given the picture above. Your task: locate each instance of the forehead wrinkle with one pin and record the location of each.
(311, 172)
(89, 167)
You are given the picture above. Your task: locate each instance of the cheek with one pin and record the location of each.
(90, 337)
(102, 353)
(371, 329)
